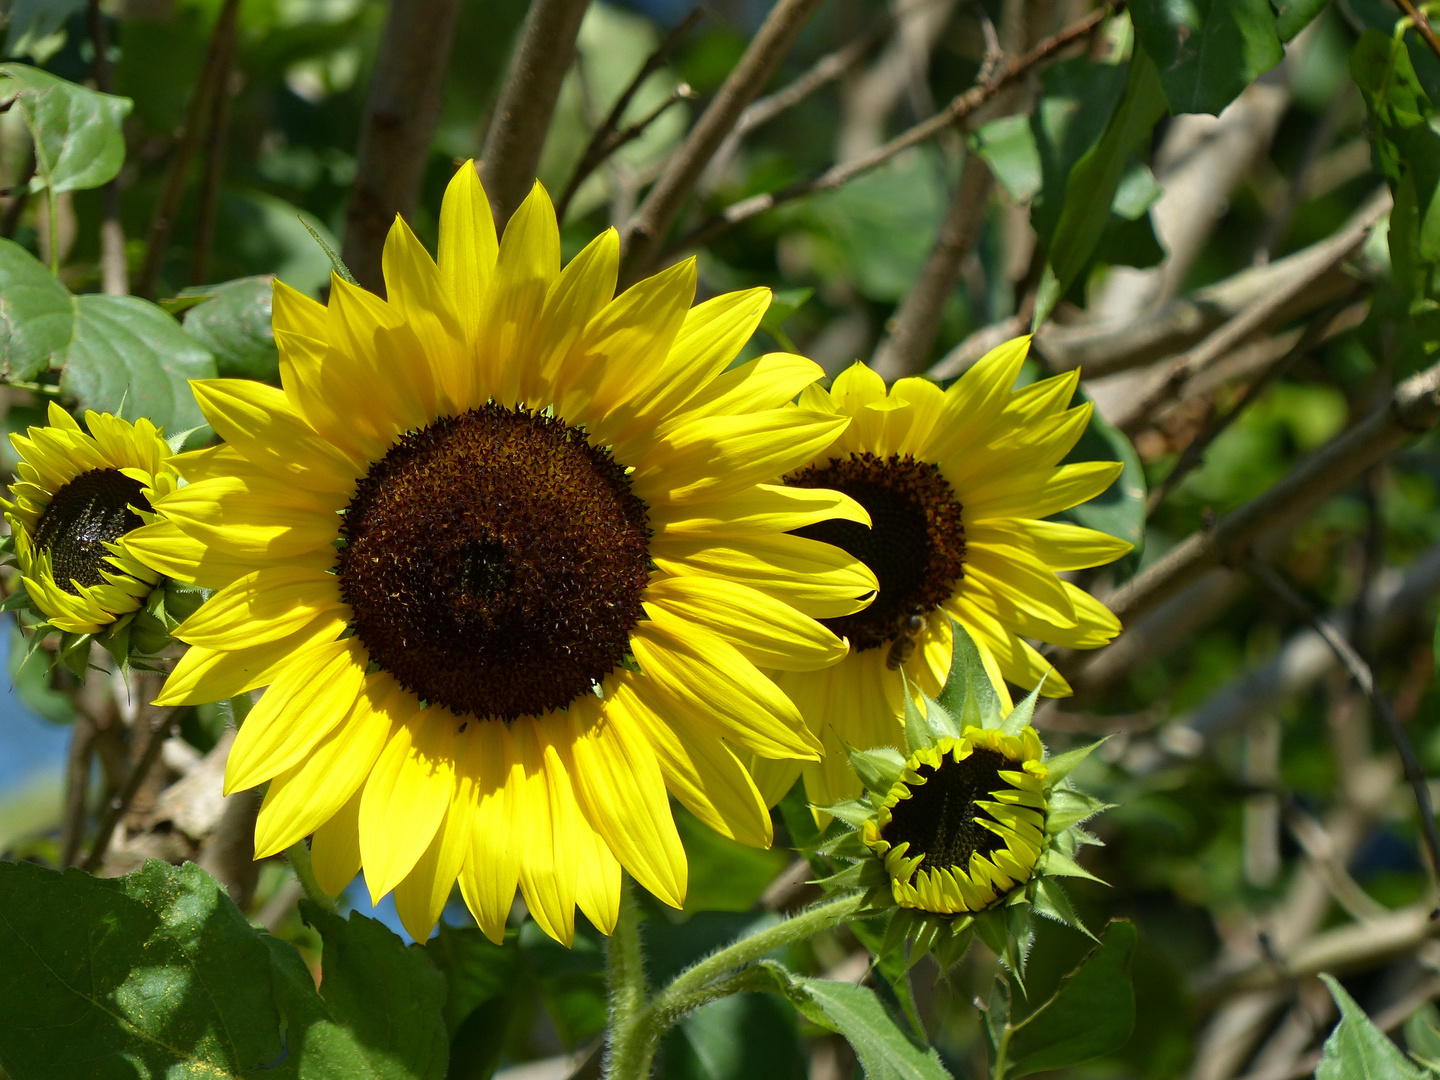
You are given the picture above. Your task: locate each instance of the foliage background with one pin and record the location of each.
(1260, 810)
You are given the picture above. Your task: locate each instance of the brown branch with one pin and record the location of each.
(186, 139)
(543, 55)
(1412, 409)
(608, 138)
(214, 169)
(646, 230)
(401, 112)
(114, 271)
(1421, 24)
(77, 787)
(1365, 679)
(1194, 453)
(156, 729)
(958, 109)
(918, 319)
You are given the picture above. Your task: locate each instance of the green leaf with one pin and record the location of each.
(1092, 1012)
(968, 695)
(740, 1037)
(1119, 510)
(1091, 185)
(475, 969)
(234, 325)
(158, 974)
(1007, 146)
(1422, 1035)
(885, 1051)
(1070, 807)
(1292, 16)
(1357, 1049)
(77, 132)
(37, 318)
(29, 22)
(1207, 51)
(126, 351)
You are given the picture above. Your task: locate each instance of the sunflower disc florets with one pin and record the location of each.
(970, 832)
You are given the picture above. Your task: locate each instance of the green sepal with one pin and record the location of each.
(1006, 931)
(18, 599)
(968, 694)
(942, 724)
(918, 735)
(1062, 765)
(1053, 902)
(851, 811)
(75, 653)
(902, 924)
(1058, 864)
(847, 845)
(1022, 714)
(849, 878)
(1070, 807)
(878, 769)
(952, 949)
(924, 941)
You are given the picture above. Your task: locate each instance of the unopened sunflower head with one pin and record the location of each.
(79, 494)
(967, 833)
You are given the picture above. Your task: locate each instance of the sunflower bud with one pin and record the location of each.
(78, 496)
(969, 833)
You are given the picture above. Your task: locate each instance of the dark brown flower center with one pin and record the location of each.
(938, 820)
(494, 562)
(82, 517)
(915, 545)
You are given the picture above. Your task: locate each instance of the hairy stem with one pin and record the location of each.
(299, 855)
(626, 1058)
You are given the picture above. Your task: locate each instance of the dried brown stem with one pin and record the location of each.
(918, 319)
(1365, 679)
(155, 729)
(958, 109)
(543, 55)
(114, 272)
(401, 112)
(186, 139)
(645, 231)
(608, 137)
(1413, 408)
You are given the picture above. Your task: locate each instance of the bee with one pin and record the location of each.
(903, 647)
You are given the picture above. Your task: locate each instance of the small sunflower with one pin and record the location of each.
(958, 484)
(971, 831)
(504, 552)
(79, 498)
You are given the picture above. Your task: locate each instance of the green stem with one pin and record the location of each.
(706, 982)
(52, 206)
(626, 976)
(299, 856)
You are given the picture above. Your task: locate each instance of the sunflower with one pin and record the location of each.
(504, 552)
(958, 484)
(78, 500)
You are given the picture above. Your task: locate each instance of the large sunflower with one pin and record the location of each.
(958, 483)
(71, 512)
(503, 552)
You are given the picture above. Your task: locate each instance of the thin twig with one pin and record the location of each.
(1421, 24)
(159, 727)
(608, 138)
(185, 142)
(522, 114)
(646, 230)
(214, 169)
(114, 272)
(1365, 680)
(1194, 453)
(620, 138)
(958, 109)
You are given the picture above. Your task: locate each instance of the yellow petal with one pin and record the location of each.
(335, 851)
(468, 249)
(491, 871)
(767, 382)
(421, 896)
(1053, 491)
(763, 508)
(204, 675)
(293, 311)
(262, 606)
(597, 883)
(529, 261)
(547, 812)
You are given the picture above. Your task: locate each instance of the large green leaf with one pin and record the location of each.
(77, 132)
(1092, 1012)
(128, 356)
(158, 974)
(234, 324)
(1207, 51)
(1357, 1049)
(37, 314)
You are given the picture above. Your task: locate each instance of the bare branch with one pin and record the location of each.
(608, 138)
(1365, 679)
(157, 727)
(401, 112)
(958, 109)
(918, 319)
(645, 231)
(214, 169)
(543, 55)
(1413, 408)
(186, 139)
(114, 272)
(1421, 24)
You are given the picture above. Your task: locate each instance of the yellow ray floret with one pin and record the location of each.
(965, 822)
(960, 483)
(79, 495)
(506, 552)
